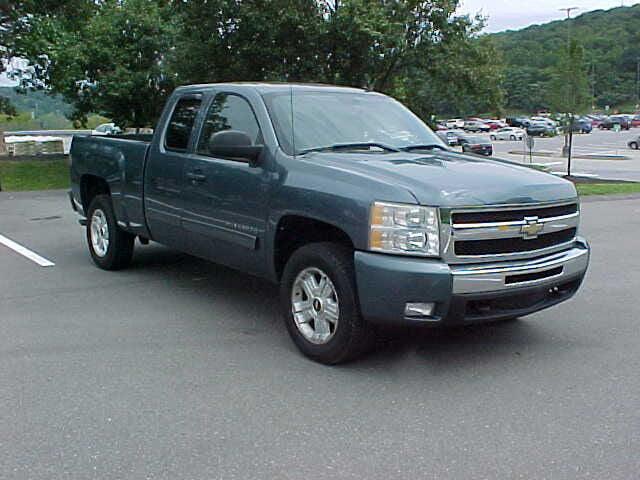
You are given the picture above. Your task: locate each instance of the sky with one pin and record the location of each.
(513, 14)
(517, 14)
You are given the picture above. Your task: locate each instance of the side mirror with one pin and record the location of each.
(234, 144)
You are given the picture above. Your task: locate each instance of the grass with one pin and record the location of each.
(607, 188)
(54, 174)
(33, 175)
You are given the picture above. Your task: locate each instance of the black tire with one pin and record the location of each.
(492, 138)
(513, 138)
(119, 252)
(352, 336)
(634, 145)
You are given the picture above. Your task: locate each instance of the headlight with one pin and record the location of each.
(404, 229)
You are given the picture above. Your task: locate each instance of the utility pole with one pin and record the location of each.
(569, 10)
(638, 83)
(593, 85)
(568, 138)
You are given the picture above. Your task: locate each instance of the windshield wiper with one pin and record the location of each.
(351, 146)
(431, 146)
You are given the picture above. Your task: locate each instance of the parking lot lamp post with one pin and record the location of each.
(638, 82)
(568, 139)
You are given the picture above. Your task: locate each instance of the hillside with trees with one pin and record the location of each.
(610, 41)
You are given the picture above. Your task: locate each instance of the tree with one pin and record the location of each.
(609, 36)
(569, 84)
(121, 58)
(569, 90)
(108, 57)
(254, 40)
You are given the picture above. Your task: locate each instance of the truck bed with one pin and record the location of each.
(120, 161)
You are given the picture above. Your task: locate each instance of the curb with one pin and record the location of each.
(581, 157)
(609, 198)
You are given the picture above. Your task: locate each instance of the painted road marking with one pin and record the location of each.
(25, 252)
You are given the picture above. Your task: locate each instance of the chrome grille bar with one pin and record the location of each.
(526, 227)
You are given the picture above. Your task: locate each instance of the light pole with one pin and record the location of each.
(569, 10)
(568, 139)
(638, 82)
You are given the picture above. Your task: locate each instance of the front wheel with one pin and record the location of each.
(634, 145)
(111, 247)
(320, 304)
(493, 138)
(513, 138)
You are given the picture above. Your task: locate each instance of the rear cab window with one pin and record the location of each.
(180, 127)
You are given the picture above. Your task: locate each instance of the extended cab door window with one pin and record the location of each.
(228, 112)
(181, 124)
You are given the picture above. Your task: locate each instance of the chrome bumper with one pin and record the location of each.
(501, 277)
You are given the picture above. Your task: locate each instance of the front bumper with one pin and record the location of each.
(466, 293)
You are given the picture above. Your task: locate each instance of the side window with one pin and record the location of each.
(229, 112)
(181, 123)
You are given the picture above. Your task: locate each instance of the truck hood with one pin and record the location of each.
(450, 179)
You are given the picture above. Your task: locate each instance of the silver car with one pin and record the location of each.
(508, 133)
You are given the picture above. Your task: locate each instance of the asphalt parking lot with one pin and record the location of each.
(595, 143)
(178, 368)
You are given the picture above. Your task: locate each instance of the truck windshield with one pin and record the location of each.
(322, 120)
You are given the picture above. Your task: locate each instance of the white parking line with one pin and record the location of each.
(25, 252)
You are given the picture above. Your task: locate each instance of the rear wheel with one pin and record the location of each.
(493, 138)
(111, 247)
(513, 137)
(634, 145)
(320, 304)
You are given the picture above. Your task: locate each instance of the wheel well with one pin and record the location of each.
(294, 231)
(90, 186)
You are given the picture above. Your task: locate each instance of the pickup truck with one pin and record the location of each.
(342, 196)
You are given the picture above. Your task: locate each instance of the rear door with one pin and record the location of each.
(226, 199)
(164, 181)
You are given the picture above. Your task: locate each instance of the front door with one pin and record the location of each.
(225, 200)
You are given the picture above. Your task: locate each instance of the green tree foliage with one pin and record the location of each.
(102, 56)
(568, 85)
(420, 52)
(121, 58)
(609, 40)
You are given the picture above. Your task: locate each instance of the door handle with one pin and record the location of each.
(196, 177)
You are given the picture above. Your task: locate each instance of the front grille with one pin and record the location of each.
(513, 215)
(512, 245)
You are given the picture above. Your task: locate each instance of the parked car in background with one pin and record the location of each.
(581, 125)
(508, 133)
(107, 129)
(634, 144)
(448, 136)
(596, 120)
(610, 123)
(519, 122)
(635, 122)
(454, 123)
(477, 145)
(495, 124)
(455, 134)
(539, 129)
(475, 126)
(547, 121)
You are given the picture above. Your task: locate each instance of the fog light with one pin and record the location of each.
(418, 310)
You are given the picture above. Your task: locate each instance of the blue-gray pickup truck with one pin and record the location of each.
(342, 196)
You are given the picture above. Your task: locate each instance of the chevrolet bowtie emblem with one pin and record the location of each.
(531, 229)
